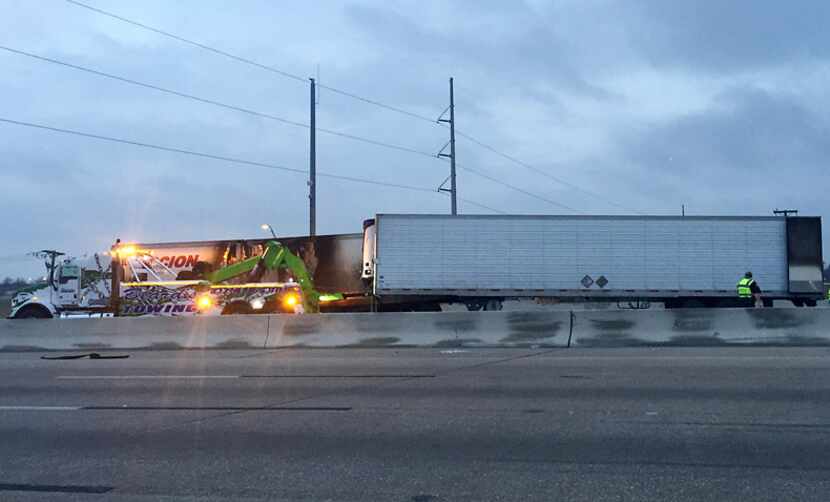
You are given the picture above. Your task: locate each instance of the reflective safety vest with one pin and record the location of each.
(744, 287)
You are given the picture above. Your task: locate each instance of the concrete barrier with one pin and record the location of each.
(426, 329)
(702, 327)
(678, 327)
(460, 329)
(134, 333)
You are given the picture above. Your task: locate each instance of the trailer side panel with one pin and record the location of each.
(578, 255)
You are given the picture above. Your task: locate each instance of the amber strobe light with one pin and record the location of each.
(290, 300)
(204, 302)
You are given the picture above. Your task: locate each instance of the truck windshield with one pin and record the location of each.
(69, 272)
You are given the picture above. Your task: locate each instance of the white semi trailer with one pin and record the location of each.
(693, 261)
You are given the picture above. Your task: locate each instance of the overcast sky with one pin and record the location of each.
(645, 105)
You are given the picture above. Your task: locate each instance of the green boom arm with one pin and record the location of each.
(275, 256)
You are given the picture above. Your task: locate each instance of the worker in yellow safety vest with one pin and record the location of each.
(748, 288)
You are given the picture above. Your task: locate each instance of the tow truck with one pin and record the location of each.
(96, 286)
(276, 256)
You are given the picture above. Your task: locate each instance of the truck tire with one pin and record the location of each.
(491, 305)
(474, 306)
(33, 312)
(237, 308)
(484, 304)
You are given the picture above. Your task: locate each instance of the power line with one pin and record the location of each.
(215, 103)
(344, 93)
(249, 61)
(212, 156)
(191, 42)
(477, 204)
(542, 172)
(219, 104)
(229, 159)
(517, 189)
(378, 104)
(348, 94)
(482, 206)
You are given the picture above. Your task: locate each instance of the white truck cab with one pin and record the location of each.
(74, 286)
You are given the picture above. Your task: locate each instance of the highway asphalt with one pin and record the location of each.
(420, 425)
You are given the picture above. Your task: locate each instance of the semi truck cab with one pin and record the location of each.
(80, 285)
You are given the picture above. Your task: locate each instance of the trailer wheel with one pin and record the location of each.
(33, 312)
(493, 305)
(484, 304)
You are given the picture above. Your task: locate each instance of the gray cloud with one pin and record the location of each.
(750, 152)
(748, 133)
(725, 35)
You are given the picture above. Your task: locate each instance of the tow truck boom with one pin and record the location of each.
(275, 256)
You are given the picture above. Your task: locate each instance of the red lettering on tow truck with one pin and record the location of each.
(180, 261)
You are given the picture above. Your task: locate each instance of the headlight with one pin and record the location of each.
(204, 302)
(257, 303)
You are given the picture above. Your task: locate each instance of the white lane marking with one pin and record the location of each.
(143, 377)
(40, 408)
(623, 357)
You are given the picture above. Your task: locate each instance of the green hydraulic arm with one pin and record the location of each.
(275, 256)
